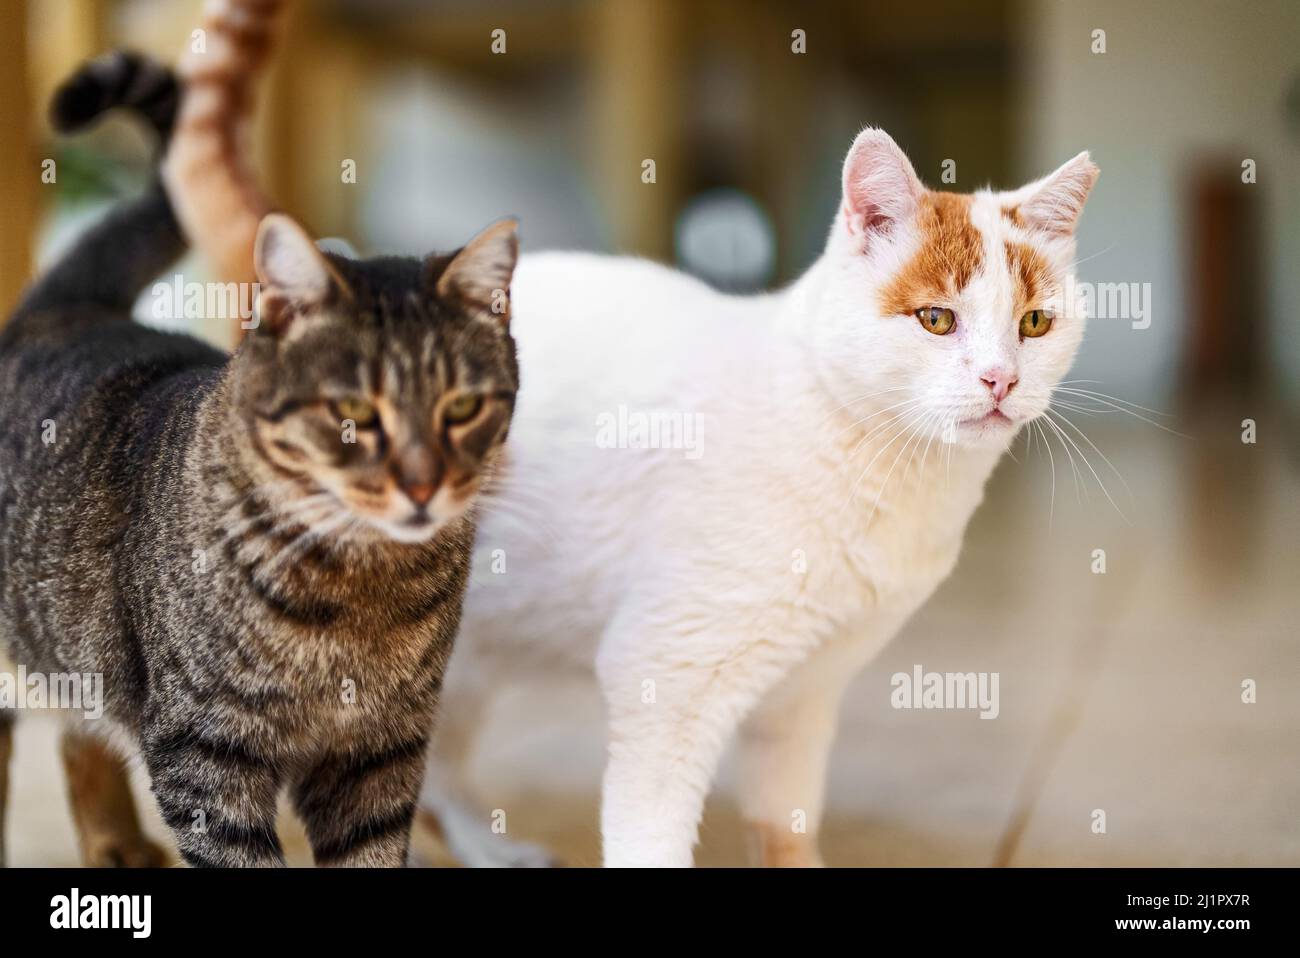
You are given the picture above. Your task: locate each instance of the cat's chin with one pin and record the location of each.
(405, 533)
(990, 431)
(408, 533)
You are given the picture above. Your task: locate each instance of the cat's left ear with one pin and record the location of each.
(479, 274)
(1054, 203)
(881, 190)
(293, 275)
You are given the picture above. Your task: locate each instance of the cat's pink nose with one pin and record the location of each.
(1000, 383)
(420, 492)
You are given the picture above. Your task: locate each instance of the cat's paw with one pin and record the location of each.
(117, 851)
(459, 828)
(510, 854)
(480, 848)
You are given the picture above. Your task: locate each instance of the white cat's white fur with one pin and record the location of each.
(734, 595)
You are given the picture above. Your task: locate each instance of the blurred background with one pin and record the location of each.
(1122, 690)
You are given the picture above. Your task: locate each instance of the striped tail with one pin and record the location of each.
(113, 260)
(207, 169)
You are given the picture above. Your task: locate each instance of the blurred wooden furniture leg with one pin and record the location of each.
(637, 73)
(18, 186)
(303, 151)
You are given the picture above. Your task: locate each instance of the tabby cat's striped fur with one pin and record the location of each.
(271, 605)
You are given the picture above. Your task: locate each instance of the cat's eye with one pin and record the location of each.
(936, 319)
(358, 410)
(462, 408)
(1035, 322)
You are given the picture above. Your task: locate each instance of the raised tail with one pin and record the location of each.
(207, 168)
(113, 260)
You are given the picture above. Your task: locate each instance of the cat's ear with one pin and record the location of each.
(881, 190)
(292, 274)
(1054, 203)
(479, 274)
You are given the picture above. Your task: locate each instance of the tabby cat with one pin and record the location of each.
(264, 554)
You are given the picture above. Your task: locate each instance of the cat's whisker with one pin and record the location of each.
(916, 425)
(1086, 462)
(870, 395)
(1051, 458)
(880, 412)
(521, 503)
(1074, 470)
(517, 491)
(263, 493)
(512, 510)
(286, 519)
(1081, 493)
(1083, 456)
(947, 482)
(930, 431)
(881, 427)
(909, 418)
(313, 532)
(862, 398)
(920, 432)
(1094, 395)
(1081, 410)
(940, 420)
(1121, 405)
(350, 533)
(1079, 262)
(1084, 436)
(276, 514)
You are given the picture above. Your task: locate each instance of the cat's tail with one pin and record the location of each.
(207, 168)
(109, 264)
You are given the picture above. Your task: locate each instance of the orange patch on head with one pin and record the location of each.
(951, 252)
(1029, 274)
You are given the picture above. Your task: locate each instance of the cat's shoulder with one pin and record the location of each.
(562, 275)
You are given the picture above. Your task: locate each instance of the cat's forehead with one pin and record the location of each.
(968, 244)
(406, 359)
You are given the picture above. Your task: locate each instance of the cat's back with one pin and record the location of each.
(639, 384)
(57, 361)
(89, 403)
(95, 414)
(618, 319)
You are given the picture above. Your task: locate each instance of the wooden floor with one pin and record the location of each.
(1119, 692)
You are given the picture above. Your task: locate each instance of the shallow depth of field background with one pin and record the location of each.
(1120, 692)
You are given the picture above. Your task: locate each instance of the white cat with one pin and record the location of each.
(820, 451)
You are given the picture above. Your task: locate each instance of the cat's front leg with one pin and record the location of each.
(218, 795)
(358, 805)
(673, 704)
(782, 754)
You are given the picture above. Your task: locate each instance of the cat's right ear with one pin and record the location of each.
(293, 276)
(881, 190)
(479, 274)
